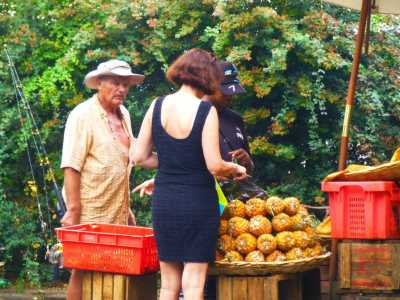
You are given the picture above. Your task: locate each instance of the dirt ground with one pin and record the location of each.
(33, 294)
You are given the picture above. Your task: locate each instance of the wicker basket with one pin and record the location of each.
(267, 268)
(324, 236)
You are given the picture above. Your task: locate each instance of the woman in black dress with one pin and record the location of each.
(184, 131)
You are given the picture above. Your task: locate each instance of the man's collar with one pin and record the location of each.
(101, 109)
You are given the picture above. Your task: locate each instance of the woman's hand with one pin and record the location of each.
(146, 187)
(240, 173)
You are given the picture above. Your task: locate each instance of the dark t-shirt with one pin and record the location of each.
(232, 135)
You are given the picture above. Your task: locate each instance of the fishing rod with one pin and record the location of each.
(39, 144)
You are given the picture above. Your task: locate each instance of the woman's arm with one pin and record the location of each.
(142, 151)
(210, 141)
(150, 163)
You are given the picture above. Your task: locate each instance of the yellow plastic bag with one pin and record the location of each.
(222, 201)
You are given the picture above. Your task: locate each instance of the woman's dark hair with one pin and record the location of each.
(198, 69)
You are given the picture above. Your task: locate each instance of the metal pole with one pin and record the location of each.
(346, 126)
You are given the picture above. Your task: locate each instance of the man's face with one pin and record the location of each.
(113, 89)
(221, 100)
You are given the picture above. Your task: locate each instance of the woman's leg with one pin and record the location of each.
(171, 277)
(193, 279)
(74, 291)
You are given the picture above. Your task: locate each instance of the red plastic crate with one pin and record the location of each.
(364, 209)
(109, 248)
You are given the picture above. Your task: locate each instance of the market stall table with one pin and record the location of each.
(290, 280)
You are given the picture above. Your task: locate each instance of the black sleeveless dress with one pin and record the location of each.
(184, 202)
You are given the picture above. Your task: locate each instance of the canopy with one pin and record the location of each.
(378, 6)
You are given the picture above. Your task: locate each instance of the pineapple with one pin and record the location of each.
(275, 205)
(317, 249)
(232, 256)
(295, 253)
(281, 222)
(225, 243)
(237, 226)
(299, 221)
(255, 207)
(303, 211)
(236, 208)
(302, 239)
(313, 251)
(276, 256)
(223, 227)
(246, 243)
(266, 243)
(259, 225)
(285, 240)
(255, 256)
(313, 237)
(292, 205)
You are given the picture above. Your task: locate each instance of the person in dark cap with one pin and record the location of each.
(234, 144)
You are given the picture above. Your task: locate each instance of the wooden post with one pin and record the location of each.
(108, 286)
(353, 83)
(347, 121)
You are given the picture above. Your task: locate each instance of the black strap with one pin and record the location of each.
(156, 120)
(201, 116)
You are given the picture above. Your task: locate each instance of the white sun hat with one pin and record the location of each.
(113, 67)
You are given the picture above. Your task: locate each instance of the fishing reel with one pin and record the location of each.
(54, 255)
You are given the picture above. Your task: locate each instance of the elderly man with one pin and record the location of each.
(95, 157)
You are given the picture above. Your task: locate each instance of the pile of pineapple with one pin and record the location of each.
(271, 230)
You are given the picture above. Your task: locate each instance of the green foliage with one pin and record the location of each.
(20, 234)
(294, 59)
(4, 283)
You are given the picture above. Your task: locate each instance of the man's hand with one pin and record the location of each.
(71, 217)
(131, 218)
(146, 187)
(243, 158)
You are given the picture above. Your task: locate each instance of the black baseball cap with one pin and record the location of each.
(231, 83)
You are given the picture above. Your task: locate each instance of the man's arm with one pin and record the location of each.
(72, 182)
(250, 163)
(243, 155)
